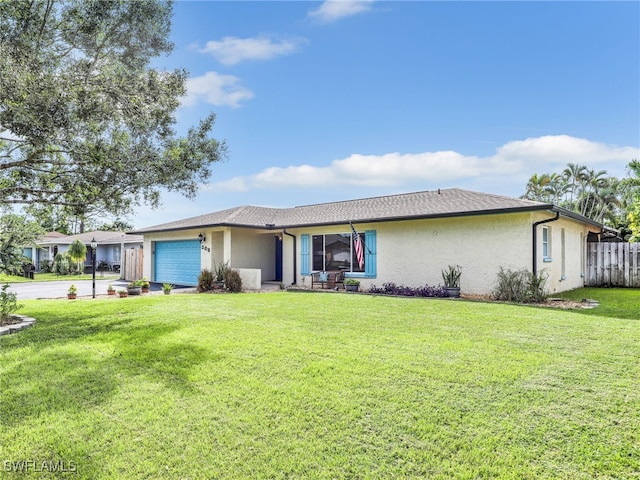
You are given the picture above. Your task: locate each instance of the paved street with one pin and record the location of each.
(58, 289)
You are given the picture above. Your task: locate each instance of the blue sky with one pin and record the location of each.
(325, 101)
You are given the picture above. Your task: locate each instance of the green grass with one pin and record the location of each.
(301, 385)
(614, 302)
(50, 277)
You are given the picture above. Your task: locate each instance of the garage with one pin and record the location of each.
(177, 262)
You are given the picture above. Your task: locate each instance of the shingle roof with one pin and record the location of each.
(101, 237)
(428, 204)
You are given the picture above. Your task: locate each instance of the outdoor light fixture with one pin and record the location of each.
(94, 245)
(201, 238)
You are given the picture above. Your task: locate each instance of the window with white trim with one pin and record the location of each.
(546, 243)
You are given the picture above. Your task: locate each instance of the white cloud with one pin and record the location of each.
(236, 184)
(512, 163)
(558, 150)
(233, 50)
(216, 89)
(332, 10)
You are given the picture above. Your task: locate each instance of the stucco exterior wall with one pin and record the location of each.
(569, 272)
(254, 249)
(480, 245)
(414, 252)
(249, 249)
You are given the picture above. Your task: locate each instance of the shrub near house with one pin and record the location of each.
(8, 303)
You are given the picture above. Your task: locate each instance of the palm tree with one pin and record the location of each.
(575, 176)
(536, 187)
(591, 193)
(600, 199)
(556, 188)
(630, 193)
(77, 252)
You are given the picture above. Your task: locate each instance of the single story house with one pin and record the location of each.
(408, 239)
(109, 250)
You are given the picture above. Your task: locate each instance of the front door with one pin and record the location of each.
(278, 259)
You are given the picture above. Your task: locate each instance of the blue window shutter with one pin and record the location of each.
(370, 254)
(304, 254)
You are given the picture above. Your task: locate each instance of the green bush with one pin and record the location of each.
(232, 280)
(8, 303)
(60, 264)
(538, 287)
(520, 286)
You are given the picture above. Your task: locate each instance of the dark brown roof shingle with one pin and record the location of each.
(439, 203)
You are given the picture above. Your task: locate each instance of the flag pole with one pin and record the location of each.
(353, 229)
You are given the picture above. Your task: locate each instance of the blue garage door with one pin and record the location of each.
(177, 262)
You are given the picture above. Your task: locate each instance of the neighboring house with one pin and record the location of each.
(408, 239)
(37, 255)
(109, 251)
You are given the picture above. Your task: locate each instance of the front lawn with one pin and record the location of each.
(614, 302)
(308, 385)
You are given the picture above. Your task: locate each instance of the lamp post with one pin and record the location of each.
(94, 244)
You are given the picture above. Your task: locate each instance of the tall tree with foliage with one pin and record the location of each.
(16, 233)
(593, 194)
(84, 118)
(631, 198)
(77, 253)
(118, 225)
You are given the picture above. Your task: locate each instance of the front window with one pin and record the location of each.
(336, 252)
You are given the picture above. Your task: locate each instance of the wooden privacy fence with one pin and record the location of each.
(132, 268)
(613, 265)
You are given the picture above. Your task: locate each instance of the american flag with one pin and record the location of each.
(357, 244)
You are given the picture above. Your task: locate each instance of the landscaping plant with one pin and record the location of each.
(520, 286)
(451, 276)
(8, 303)
(205, 280)
(391, 288)
(77, 253)
(60, 264)
(232, 280)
